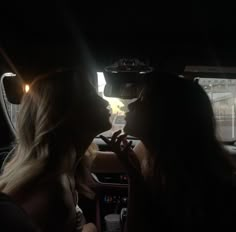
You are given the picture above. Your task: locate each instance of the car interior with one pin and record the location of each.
(119, 45)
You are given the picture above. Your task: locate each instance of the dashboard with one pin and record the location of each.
(110, 182)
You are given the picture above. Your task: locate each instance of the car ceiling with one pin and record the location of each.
(168, 36)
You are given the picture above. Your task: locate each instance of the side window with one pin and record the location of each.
(10, 109)
(222, 93)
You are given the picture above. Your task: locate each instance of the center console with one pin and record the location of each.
(112, 195)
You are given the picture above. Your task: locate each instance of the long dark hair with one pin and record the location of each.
(183, 133)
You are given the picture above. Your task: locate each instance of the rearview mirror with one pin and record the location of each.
(125, 78)
(123, 85)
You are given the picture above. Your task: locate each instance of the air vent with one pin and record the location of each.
(110, 178)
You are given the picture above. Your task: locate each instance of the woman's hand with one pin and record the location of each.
(119, 145)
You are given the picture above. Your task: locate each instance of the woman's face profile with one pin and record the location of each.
(138, 116)
(94, 110)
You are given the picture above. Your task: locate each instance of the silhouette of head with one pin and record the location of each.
(175, 120)
(59, 116)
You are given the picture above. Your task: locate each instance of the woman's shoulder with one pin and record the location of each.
(56, 188)
(13, 217)
(52, 193)
(51, 203)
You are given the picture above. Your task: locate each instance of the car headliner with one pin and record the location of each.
(39, 37)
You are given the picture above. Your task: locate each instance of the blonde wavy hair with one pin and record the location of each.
(46, 139)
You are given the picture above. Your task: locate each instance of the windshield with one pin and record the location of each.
(118, 107)
(222, 93)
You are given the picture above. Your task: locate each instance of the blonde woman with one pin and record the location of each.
(55, 127)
